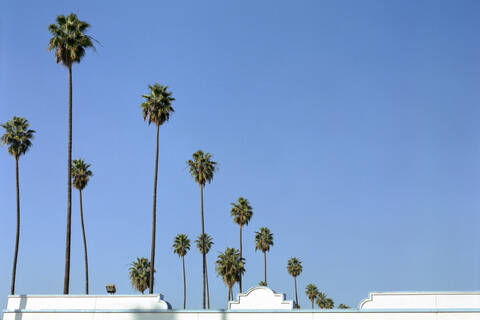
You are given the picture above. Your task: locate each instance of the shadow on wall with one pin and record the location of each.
(23, 305)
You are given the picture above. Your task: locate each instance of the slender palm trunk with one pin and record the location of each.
(312, 304)
(154, 218)
(265, 266)
(206, 280)
(66, 282)
(240, 280)
(296, 295)
(17, 237)
(203, 253)
(184, 284)
(84, 243)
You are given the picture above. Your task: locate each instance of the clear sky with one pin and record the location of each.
(351, 126)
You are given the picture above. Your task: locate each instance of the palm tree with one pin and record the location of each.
(156, 108)
(18, 138)
(139, 274)
(263, 242)
(343, 306)
(70, 43)
(202, 168)
(294, 268)
(204, 244)
(241, 213)
(323, 302)
(230, 266)
(312, 292)
(181, 245)
(81, 175)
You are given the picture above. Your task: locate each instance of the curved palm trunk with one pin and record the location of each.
(296, 295)
(17, 237)
(265, 266)
(203, 253)
(240, 281)
(154, 218)
(66, 281)
(184, 284)
(84, 243)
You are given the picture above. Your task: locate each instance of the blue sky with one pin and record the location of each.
(351, 126)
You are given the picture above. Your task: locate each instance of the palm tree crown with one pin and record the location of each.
(139, 274)
(202, 167)
(181, 245)
(323, 301)
(157, 106)
(69, 40)
(230, 266)
(241, 211)
(294, 267)
(343, 306)
(204, 243)
(80, 173)
(312, 292)
(17, 136)
(263, 239)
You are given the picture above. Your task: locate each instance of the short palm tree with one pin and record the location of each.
(294, 268)
(242, 213)
(139, 274)
(263, 242)
(230, 267)
(312, 292)
(181, 245)
(204, 243)
(202, 168)
(156, 108)
(69, 42)
(323, 302)
(343, 306)
(81, 175)
(18, 137)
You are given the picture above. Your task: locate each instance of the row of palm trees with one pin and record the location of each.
(69, 42)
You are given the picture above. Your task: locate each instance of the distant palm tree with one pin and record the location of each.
(204, 244)
(294, 268)
(81, 175)
(69, 42)
(312, 292)
(242, 213)
(202, 168)
(230, 266)
(262, 283)
(323, 302)
(343, 306)
(156, 108)
(263, 242)
(181, 245)
(18, 138)
(139, 274)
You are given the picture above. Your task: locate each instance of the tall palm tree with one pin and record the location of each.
(343, 306)
(242, 213)
(230, 266)
(18, 138)
(139, 274)
(81, 175)
(294, 268)
(70, 43)
(204, 243)
(263, 242)
(202, 168)
(323, 302)
(312, 292)
(156, 108)
(181, 245)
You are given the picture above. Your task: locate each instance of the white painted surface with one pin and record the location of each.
(421, 300)
(260, 298)
(379, 306)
